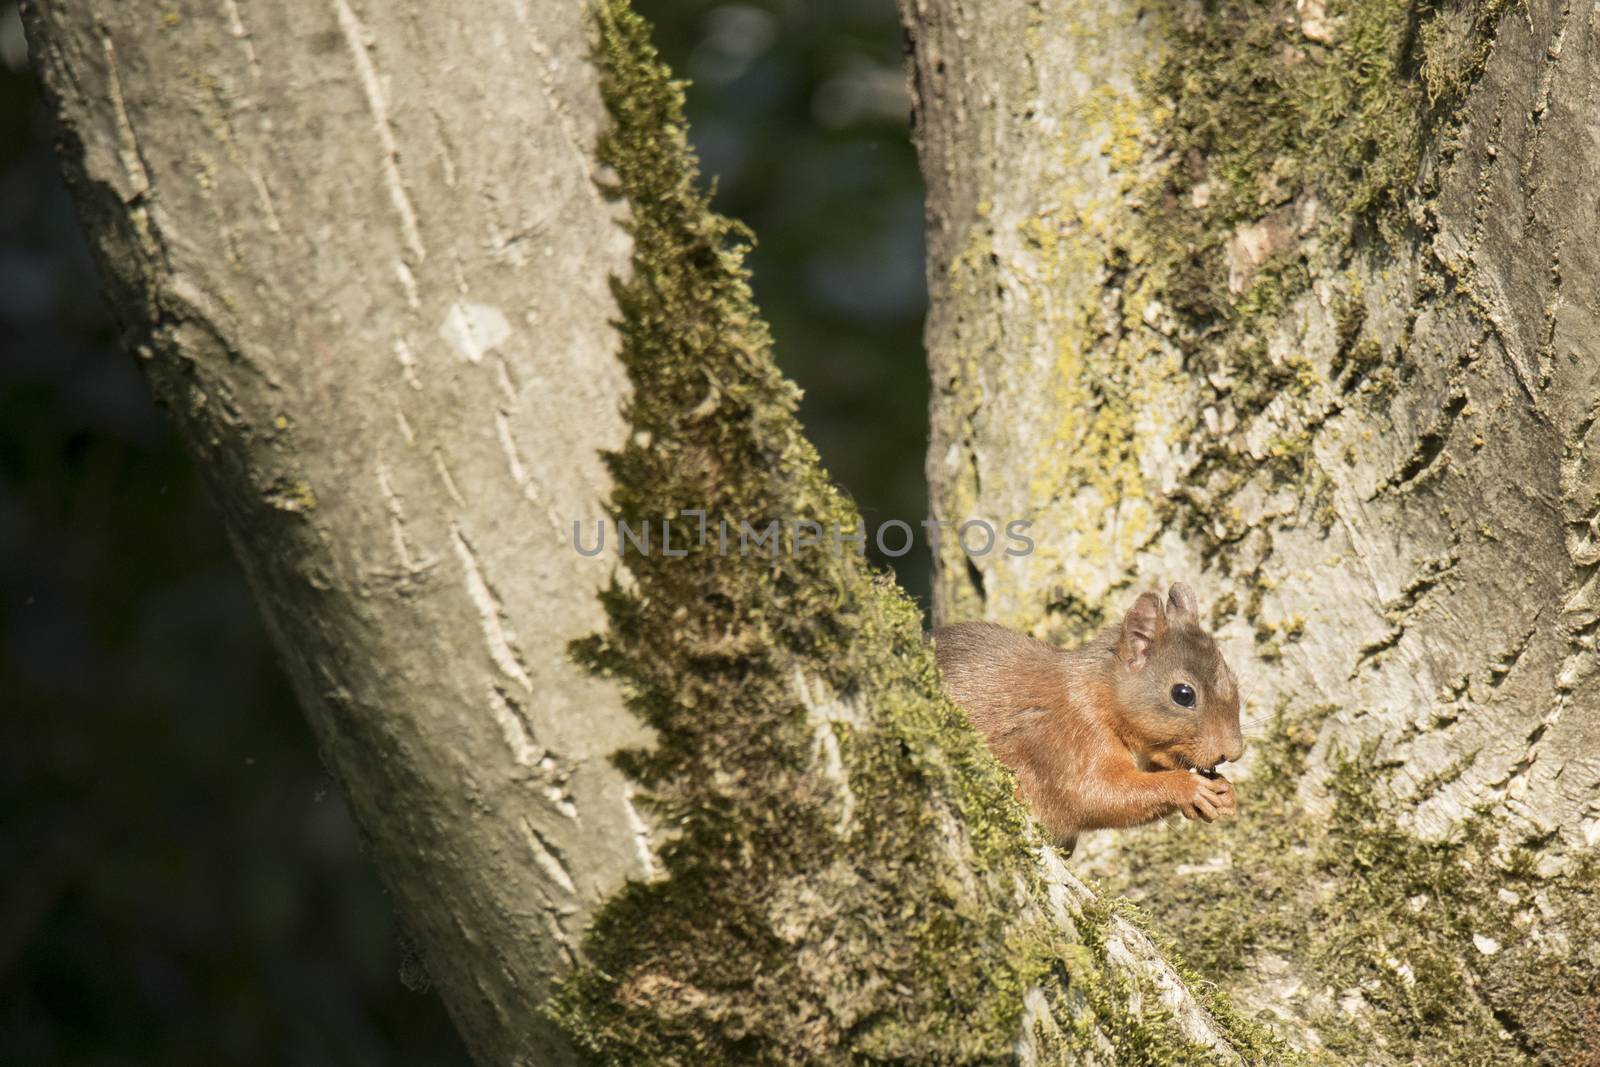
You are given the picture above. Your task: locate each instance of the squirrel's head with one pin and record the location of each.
(1179, 700)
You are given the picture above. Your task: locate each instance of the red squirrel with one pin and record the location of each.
(1110, 734)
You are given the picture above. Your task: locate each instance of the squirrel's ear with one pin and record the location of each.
(1144, 623)
(1181, 603)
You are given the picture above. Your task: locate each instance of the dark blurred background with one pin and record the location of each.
(179, 879)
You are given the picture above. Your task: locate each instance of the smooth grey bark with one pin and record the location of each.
(363, 256)
(1403, 556)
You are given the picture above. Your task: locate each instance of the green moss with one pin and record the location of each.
(1441, 937)
(1073, 620)
(1311, 155)
(1146, 1039)
(1332, 146)
(1377, 920)
(1336, 147)
(700, 966)
(804, 915)
(1263, 117)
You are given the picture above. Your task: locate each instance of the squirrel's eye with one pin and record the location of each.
(1183, 695)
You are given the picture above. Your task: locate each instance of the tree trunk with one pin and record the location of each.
(1299, 303)
(370, 286)
(375, 264)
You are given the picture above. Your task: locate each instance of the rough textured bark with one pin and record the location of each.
(1300, 303)
(370, 286)
(364, 254)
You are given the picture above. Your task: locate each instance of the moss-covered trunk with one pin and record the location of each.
(422, 286)
(1299, 303)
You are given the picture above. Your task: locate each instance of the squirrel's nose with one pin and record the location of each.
(1232, 752)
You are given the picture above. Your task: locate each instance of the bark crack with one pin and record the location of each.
(548, 857)
(515, 728)
(497, 629)
(1430, 447)
(358, 39)
(237, 28)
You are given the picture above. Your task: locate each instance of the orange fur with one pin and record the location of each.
(1095, 735)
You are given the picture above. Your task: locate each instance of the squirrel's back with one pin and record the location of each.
(996, 674)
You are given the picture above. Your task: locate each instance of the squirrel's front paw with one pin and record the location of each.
(1206, 798)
